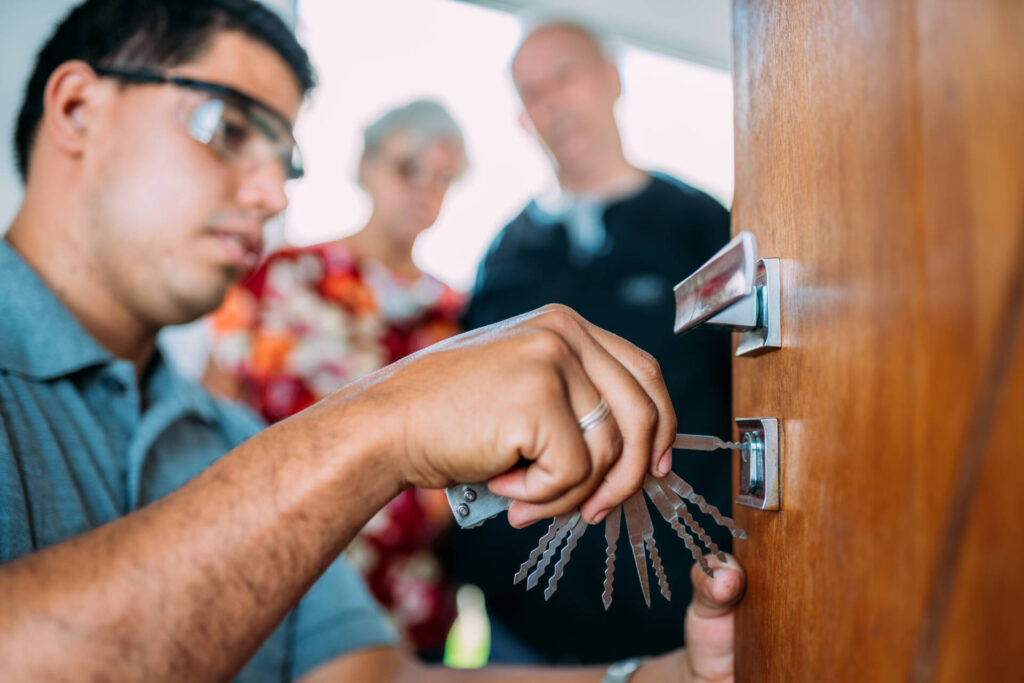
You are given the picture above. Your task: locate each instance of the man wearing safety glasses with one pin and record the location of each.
(240, 128)
(149, 532)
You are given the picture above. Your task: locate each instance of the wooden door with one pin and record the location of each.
(880, 154)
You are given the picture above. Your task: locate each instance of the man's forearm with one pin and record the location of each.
(188, 587)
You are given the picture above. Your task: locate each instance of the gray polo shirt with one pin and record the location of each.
(81, 445)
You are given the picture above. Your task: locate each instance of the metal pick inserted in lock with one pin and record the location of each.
(758, 443)
(737, 291)
(758, 446)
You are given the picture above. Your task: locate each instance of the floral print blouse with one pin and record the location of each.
(310, 320)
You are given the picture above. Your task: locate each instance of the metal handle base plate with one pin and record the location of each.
(759, 463)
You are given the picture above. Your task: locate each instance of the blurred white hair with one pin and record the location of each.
(426, 121)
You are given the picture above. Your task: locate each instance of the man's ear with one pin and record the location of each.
(66, 106)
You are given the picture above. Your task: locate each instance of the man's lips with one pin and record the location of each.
(241, 247)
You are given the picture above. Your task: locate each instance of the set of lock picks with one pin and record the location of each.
(669, 495)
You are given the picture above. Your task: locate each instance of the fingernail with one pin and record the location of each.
(665, 464)
(601, 515)
(513, 518)
(518, 524)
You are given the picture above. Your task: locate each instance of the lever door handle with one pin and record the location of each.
(725, 279)
(735, 290)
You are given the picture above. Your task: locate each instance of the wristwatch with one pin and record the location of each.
(621, 671)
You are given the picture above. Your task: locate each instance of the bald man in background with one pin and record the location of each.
(610, 241)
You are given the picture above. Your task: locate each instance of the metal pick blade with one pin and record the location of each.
(549, 552)
(634, 509)
(525, 567)
(659, 570)
(684, 490)
(652, 551)
(695, 528)
(575, 532)
(699, 442)
(612, 529)
(663, 502)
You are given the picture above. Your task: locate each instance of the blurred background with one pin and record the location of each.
(675, 113)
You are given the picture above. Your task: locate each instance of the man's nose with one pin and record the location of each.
(263, 189)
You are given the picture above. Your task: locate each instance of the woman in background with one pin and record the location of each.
(311, 319)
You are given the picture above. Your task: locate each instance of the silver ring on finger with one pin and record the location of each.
(595, 417)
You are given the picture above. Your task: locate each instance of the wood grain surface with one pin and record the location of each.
(880, 154)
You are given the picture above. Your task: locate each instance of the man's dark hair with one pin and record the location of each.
(149, 33)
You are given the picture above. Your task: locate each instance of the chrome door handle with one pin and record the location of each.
(737, 291)
(727, 278)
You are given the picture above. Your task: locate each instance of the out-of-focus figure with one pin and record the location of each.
(610, 241)
(311, 319)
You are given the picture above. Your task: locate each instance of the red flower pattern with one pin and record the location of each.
(310, 320)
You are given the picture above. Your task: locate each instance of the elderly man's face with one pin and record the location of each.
(568, 91)
(172, 223)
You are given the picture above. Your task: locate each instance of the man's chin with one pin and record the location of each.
(195, 303)
(573, 157)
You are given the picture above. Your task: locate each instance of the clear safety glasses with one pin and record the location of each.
(238, 128)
